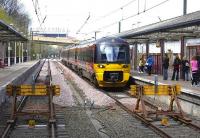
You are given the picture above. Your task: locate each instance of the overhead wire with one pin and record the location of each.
(38, 13)
(108, 14)
(83, 24)
(114, 11)
(35, 5)
(106, 26)
(147, 9)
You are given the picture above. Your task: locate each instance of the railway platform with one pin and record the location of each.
(188, 91)
(189, 97)
(14, 74)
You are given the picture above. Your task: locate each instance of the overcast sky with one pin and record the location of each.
(70, 15)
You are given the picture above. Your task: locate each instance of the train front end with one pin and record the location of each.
(112, 63)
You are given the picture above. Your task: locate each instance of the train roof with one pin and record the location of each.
(101, 40)
(111, 39)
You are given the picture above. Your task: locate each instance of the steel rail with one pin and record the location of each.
(51, 106)
(37, 73)
(134, 114)
(22, 101)
(8, 127)
(189, 124)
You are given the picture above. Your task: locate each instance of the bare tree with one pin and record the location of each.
(16, 10)
(4, 4)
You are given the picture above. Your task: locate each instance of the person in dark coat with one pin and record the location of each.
(176, 65)
(165, 67)
(185, 69)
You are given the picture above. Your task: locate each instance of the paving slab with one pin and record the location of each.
(14, 74)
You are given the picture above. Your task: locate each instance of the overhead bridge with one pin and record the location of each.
(61, 41)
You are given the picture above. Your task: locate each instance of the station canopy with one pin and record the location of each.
(8, 33)
(172, 29)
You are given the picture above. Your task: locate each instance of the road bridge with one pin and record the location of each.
(60, 41)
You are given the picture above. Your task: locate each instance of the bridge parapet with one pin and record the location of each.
(55, 40)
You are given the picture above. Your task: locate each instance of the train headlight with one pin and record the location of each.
(101, 66)
(125, 66)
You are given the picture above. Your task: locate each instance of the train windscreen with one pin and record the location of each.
(113, 53)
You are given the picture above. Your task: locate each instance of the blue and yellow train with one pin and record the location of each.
(106, 62)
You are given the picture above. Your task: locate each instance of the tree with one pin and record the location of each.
(15, 9)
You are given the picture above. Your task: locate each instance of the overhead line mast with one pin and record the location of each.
(184, 7)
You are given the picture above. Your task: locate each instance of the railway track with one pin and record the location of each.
(177, 128)
(106, 128)
(184, 96)
(43, 123)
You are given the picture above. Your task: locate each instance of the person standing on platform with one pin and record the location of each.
(141, 65)
(176, 65)
(149, 64)
(194, 70)
(185, 69)
(165, 67)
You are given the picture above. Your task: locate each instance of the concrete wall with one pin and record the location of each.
(16, 81)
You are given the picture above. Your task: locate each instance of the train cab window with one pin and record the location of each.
(113, 53)
(103, 57)
(121, 56)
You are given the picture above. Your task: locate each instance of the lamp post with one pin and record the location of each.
(184, 7)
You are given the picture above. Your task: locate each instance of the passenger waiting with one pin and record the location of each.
(149, 64)
(176, 65)
(185, 69)
(141, 65)
(194, 70)
(165, 67)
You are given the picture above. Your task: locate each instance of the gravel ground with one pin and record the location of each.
(90, 93)
(66, 95)
(104, 119)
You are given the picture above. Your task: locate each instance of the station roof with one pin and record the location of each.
(172, 29)
(8, 33)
